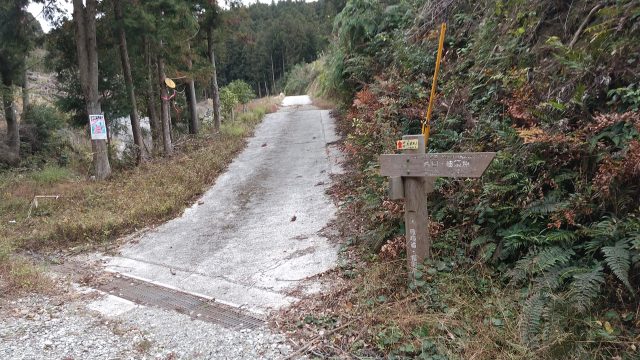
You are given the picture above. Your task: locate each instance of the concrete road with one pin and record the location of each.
(253, 236)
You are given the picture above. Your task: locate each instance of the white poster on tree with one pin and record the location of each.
(98, 127)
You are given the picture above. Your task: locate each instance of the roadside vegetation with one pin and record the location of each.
(539, 258)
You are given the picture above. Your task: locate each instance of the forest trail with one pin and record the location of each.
(253, 239)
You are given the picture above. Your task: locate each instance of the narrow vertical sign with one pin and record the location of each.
(98, 127)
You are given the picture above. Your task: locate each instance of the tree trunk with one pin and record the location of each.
(194, 122)
(13, 135)
(85, 34)
(164, 109)
(273, 76)
(154, 122)
(152, 96)
(259, 91)
(126, 69)
(194, 125)
(215, 91)
(25, 93)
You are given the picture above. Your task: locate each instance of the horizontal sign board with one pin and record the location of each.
(407, 144)
(435, 164)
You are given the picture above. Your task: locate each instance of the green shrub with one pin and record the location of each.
(237, 92)
(242, 90)
(41, 124)
(628, 98)
(228, 101)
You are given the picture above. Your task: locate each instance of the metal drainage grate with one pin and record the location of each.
(148, 294)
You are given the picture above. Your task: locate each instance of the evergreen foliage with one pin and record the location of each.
(40, 126)
(261, 43)
(236, 93)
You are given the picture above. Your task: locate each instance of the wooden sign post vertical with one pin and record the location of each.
(412, 174)
(416, 219)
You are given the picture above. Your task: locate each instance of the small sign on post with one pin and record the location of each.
(98, 127)
(411, 144)
(418, 171)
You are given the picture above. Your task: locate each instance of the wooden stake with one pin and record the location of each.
(396, 188)
(415, 214)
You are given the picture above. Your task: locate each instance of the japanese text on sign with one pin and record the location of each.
(407, 144)
(434, 164)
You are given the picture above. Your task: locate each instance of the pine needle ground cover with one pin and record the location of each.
(91, 215)
(552, 229)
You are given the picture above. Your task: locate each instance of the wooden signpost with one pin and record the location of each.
(412, 174)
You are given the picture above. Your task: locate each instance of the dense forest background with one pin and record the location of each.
(261, 43)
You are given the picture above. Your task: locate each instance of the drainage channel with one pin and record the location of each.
(148, 294)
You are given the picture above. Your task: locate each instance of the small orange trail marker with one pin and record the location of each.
(406, 144)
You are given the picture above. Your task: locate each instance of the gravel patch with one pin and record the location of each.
(193, 339)
(41, 327)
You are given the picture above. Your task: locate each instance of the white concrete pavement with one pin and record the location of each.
(254, 235)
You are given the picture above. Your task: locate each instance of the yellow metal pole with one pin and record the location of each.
(426, 125)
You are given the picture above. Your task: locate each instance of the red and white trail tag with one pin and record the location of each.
(407, 144)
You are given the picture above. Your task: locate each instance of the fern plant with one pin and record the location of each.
(618, 259)
(617, 241)
(585, 287)
(532, 322)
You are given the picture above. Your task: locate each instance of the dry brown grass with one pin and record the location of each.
(461, 321)
(323, 103)
(93, 212)
(19, 275)
(88, 214)
(270, 104)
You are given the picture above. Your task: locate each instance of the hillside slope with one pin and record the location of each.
(549, 239)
